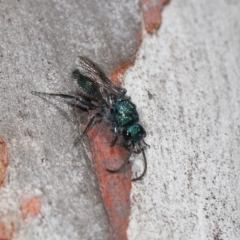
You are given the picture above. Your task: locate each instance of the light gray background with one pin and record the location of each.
(185, 82)
(191, 67)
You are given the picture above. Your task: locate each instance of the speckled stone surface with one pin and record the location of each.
(39, 43)
(186, 83)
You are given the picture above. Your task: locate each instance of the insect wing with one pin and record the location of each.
(93, 71)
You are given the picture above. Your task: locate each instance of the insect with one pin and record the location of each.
(98, 93)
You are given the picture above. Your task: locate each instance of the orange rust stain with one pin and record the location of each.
(30, 207)
(151, 13)
(6, 229)
(3, 160)
(118, 70)
(115, 187)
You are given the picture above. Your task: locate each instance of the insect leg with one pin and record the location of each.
(84, 102)
(95, 119)
(115, 131)
(144, 161)
(137, 150)
(146, 144)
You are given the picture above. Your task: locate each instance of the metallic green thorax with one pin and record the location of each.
(125, 112)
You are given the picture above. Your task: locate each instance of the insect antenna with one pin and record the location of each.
(144, 162)
(146, 144)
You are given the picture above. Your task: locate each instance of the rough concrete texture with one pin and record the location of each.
(186, 83)
(50, 191)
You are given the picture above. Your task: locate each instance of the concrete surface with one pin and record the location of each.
(39, 43)
(187, 75)
(187, 80)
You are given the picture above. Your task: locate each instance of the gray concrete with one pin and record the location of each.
(39, 43)
(186, 82)
(186, 86)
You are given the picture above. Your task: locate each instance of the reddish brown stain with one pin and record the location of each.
(120, 69)
(3, 160)
(115, 187)
(30, 206)
(151, 13)
(6, 229)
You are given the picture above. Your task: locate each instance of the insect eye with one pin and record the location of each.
(142, 133)
(126, 135)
